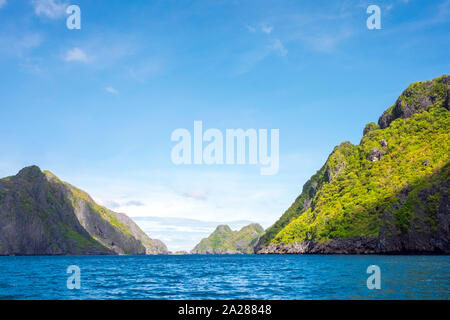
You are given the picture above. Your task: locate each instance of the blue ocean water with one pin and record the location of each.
(225, 277)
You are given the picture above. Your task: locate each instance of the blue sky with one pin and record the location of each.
(97, 106)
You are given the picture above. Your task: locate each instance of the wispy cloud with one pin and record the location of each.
(264, 28)
(114, 204)
(270, 45)
(111, 90)
(326, 42)
(134, 203)
(278, 46)
(196, 194)
(318, 31)
(251, 58)
(441, 16)
(19, 45)
(29, 41)
(31, 65)
(144, 69)
(52, 9)
(394, 4)
(2, 3)
(76, 54)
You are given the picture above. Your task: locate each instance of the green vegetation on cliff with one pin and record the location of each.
(224, 240)
(392, 184)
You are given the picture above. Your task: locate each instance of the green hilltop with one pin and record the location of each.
(387, 194)
(226, 241)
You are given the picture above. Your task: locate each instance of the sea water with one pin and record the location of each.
(225, 277)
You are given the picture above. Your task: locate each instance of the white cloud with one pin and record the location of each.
(76, 54)
(267, 29)
(52, 9)
(111, 90)
(2, 3)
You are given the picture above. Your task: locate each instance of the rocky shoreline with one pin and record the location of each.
(336, 246)
(357, 245)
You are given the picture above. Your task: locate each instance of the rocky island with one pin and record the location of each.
(226, 241)
(42, 215)
(389, 194)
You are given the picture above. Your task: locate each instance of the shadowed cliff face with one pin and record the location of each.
(41, 215)
(226, 241)
(389, 194)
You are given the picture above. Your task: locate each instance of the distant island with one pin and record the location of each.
(42, 215)
(388, 195)
(226, 241)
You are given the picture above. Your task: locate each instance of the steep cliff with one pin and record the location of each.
(389, 194)
(42, 215)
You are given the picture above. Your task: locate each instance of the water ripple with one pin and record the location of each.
(225, 277)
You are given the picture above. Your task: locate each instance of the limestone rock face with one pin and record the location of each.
(417, 98)
(41, 215)
(375, 155)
